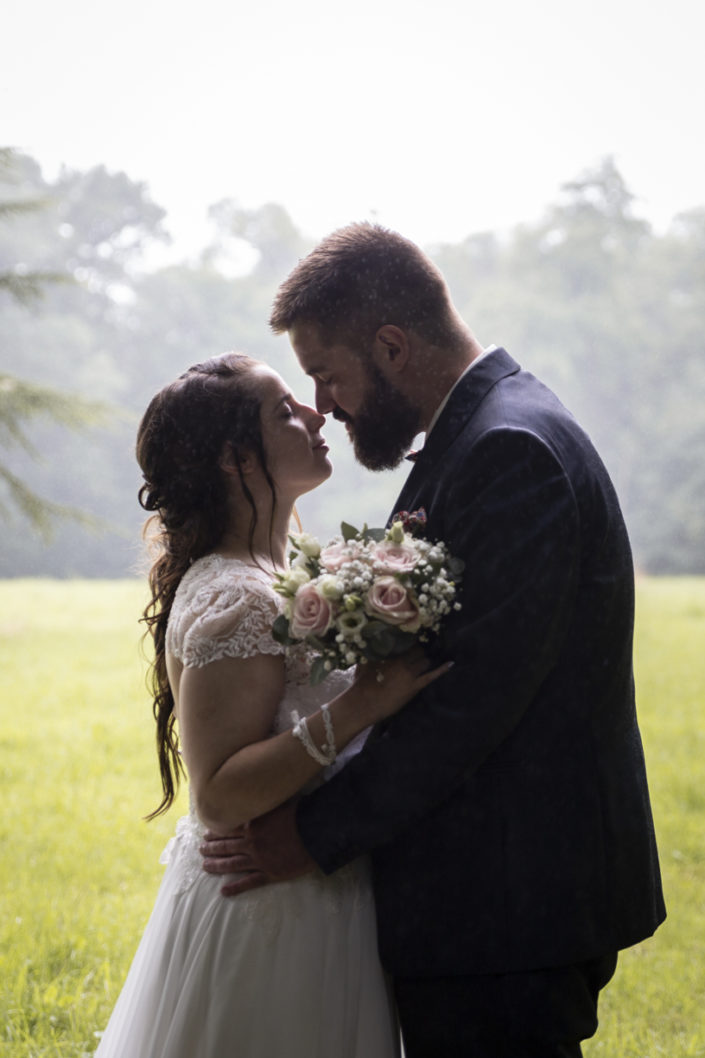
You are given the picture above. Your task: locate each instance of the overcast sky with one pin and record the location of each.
(438, 117)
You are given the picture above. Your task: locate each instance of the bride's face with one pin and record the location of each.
(297, 455)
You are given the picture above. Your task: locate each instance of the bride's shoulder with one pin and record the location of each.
(222, 607)
(219, 579)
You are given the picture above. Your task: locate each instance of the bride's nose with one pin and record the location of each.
(315, 420)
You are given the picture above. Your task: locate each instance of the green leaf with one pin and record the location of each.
(386, 640)
(373, 534)
(373, 628)
(349, 531)
(280, 630)
(318, 671)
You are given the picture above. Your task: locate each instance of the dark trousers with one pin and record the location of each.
(541, 1014)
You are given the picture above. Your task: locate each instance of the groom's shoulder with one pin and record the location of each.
(495, 396)
(522, 398)
(509, 396)
(518, 411)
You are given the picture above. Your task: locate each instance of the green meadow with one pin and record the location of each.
(80, 868)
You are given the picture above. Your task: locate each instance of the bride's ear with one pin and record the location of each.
(237, 463)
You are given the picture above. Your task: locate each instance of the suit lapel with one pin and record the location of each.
(462, 405)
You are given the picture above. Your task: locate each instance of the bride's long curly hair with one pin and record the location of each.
(180, 441)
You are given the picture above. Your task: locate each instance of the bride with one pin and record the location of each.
(290, 969)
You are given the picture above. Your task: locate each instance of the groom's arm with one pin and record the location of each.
(512, 517)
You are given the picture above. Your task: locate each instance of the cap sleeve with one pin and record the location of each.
(229, 615)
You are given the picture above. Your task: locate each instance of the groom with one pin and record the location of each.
(506, 808)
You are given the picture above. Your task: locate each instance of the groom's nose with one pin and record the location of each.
(324, 402)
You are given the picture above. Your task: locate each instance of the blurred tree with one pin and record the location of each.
(22, 401)
(611, 316)
(17, 278)
(608, 312)
(268, 230)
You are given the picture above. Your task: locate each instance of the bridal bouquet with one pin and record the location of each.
(365, 596)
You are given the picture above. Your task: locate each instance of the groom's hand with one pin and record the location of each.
(267, 849)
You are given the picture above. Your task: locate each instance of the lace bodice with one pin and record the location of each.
(225, 608)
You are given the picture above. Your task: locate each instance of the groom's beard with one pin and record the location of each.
(384, 427)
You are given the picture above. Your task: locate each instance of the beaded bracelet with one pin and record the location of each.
(327, 753)
(330, 735)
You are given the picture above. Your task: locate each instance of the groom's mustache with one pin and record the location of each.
(340, 415)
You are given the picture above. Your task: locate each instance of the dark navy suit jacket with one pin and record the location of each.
(506, 808)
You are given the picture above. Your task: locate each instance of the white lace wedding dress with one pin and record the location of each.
(285, 971)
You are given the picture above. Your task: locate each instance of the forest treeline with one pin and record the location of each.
(607, 311)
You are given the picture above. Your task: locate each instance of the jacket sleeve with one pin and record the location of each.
(511, 515)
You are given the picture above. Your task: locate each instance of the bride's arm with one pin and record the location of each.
(226, 711)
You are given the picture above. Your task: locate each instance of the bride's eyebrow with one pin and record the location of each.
(282, 400)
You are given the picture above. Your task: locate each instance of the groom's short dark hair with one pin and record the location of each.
(361, 277)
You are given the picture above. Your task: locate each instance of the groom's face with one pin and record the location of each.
(380, 420)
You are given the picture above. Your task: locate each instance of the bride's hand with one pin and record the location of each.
(386, 686)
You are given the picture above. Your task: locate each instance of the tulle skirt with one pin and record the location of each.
(286, 971)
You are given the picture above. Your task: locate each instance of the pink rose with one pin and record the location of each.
(394, 558)
(392, 603)
(336, 555)
(311, 614)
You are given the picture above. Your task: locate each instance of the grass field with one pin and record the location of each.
(79, 869)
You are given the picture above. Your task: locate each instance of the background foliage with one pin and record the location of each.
(607, 311)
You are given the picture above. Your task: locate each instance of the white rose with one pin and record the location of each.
(330, 586)
(307, 543)
(295, 578)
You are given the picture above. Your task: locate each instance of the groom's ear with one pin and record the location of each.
(391, 348)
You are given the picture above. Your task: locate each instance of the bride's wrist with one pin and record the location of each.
(353, 711)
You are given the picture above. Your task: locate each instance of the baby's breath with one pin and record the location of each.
(374, 593)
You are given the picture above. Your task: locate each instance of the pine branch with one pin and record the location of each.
(28, 286)
(8, 159)
(21, 401)
(40, 513)
(18, 207)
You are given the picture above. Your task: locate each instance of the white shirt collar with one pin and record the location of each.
(439, 410)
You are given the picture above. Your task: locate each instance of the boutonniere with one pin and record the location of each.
(412, 521)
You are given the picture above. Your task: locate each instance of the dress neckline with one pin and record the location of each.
(216, 556)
